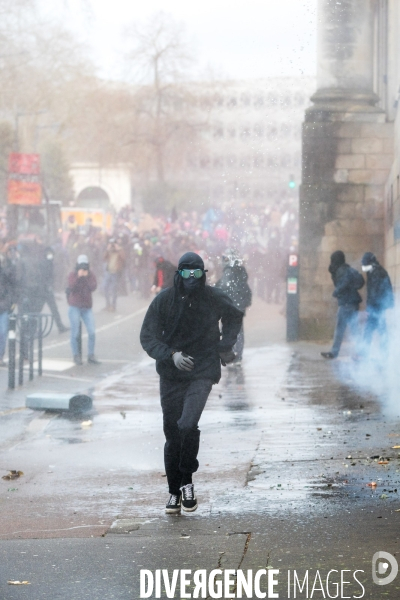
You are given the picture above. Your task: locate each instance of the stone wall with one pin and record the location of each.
(392, 216)
(346, 162)
(347, 153)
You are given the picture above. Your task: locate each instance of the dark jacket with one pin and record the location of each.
(234, 283)
(190, 324)
(80, 290)
(31, 286)
(347, 281)
(7, 286)
(379, 289)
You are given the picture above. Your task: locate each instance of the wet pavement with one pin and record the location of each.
(289, 444)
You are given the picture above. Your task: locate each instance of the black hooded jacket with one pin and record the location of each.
(347, 280)
(176, 320)
(379, 289)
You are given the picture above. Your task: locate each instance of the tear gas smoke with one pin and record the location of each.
(375, 368)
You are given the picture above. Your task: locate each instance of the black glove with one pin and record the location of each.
(182, 361)
(227, 357)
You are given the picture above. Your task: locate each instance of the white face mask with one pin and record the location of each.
(367, 268)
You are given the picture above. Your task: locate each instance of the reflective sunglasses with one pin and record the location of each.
(186, 273)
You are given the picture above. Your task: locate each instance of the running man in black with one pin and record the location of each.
(181, 332)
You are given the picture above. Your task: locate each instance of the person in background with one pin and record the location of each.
(379, 299)
(181, 332)
(164, 275)
(115, 261)
(347, 282)
(47, 279)
(234, 283)
(7, 299)
(31, 286)
(81, 283)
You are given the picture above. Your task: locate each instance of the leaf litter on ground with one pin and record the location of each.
(12, 475)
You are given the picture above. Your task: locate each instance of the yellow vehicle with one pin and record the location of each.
(83, 217)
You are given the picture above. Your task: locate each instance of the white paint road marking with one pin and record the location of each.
(40, 530)
(118, 321)
(68, 378)
(39, 424)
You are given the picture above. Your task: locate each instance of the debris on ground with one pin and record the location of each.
(12, 475)
(12, 582)
(86, 424)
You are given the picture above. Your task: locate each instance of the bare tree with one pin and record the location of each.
(42, 70)
(163, 119)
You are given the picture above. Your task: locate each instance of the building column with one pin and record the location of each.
(347, 153)
(345, 52)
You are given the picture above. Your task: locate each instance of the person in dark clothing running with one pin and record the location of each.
(347, 282)
(181, 332)
(234, 283)
(379, 299)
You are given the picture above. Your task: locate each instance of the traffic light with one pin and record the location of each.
(292, 183)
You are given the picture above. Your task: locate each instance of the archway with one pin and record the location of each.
(93, 197)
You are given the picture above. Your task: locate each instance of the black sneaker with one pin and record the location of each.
(173, 504)
(189, 500)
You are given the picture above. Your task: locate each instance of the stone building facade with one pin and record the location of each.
(251, 146)
(348, 151)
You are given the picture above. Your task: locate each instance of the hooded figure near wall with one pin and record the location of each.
(347, 282)
(379, 298)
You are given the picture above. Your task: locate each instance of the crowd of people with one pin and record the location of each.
(142, 247)
(141, 255)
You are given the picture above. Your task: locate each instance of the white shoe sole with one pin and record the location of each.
(173, 511)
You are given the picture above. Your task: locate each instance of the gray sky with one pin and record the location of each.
(237, 39)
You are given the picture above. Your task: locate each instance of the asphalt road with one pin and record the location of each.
(289, 445)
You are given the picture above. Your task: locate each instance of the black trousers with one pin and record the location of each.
(182, 403)
(52, 304)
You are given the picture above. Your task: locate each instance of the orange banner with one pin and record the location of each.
(24, 192)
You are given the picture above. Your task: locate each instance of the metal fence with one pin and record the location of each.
(25, 330)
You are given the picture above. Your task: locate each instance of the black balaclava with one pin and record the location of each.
(337, 260)
(191, 260)
(369, 259)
